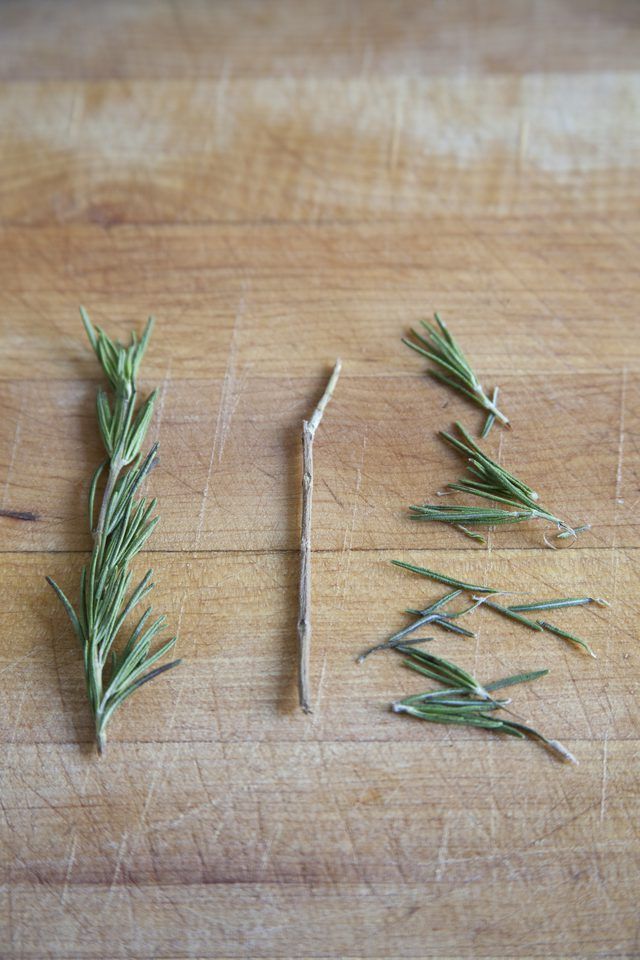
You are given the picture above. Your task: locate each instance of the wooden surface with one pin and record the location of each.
(281, 183)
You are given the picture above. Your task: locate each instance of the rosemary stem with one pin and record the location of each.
(309, 428)
(115, 468)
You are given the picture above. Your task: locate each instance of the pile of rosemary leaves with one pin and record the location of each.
(506, 499)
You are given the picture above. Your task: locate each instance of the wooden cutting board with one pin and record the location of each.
(281, 183)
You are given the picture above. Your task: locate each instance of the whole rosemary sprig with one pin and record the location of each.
(488, 480)
(440, 347)
(122, 526)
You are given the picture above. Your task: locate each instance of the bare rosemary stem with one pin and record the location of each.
(309, 428)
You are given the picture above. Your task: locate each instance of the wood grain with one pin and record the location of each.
(282, 183)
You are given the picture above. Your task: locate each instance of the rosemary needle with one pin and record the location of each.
(567, 636)
(555, 604)
(509, 612)
(444, 671)
(440, 347)
(511, 681)
(443, 578)
(430, 614)
(491, 417)
(119, 532)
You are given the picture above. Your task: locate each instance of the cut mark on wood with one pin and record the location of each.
(20, 515)
(605, 772)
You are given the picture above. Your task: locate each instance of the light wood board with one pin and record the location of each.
(282, 183)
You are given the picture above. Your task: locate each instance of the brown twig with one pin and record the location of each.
(309, 428)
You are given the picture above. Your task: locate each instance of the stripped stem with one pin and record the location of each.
(309, 428)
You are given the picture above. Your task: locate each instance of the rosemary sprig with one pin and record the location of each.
(567, 636)
(440, 347)
(489, 481)
(467, 701)
(120, 531)
(443, 578)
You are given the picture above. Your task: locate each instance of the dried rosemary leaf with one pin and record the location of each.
(443, 578)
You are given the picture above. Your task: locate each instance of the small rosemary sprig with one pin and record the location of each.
(488, 481)
(467, 702)
(440, 347)
(121, 529)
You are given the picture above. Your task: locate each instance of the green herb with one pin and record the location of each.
(470, 533)
(438, 604)
(555, 604)
(570, 533)
(439, 346)
(491, 417)
(437, 668)
(489, 481)
(489, 687)
(120, 531)
(476, 717)
(567, 636)
(431, 614)
(443, 578)
(456, 705)
(508, 612)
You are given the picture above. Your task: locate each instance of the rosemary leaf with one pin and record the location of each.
(555, 604)
(430, 614)
(470, 533)
(120, 530)
(443, 578)
(439, 346)
(567, 636)
(516, 678)
(491, 417)
(509, 612)
(511, 726)
(570, 533)
(442, 670)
